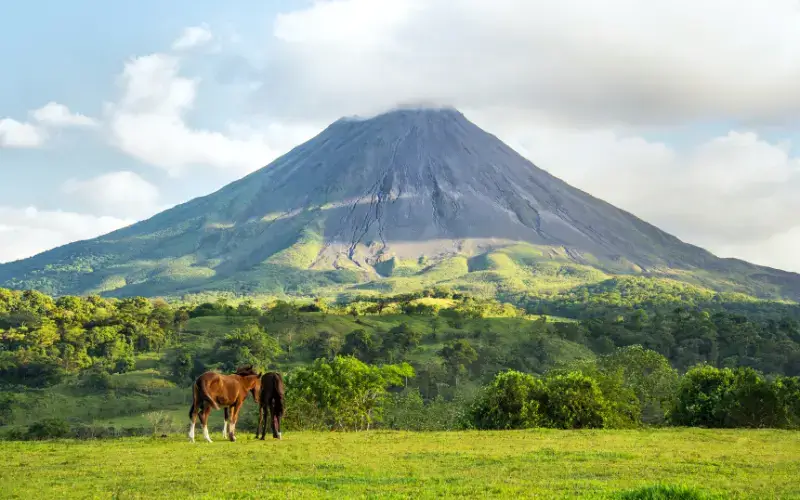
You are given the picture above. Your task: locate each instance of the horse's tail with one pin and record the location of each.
(195, 400)
(200, 396)
(202, 388)
(278, 391)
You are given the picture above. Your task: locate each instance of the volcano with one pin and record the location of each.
(408, 198)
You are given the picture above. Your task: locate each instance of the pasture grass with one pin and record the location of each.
(656, 464)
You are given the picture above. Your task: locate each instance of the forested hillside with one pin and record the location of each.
(99, 363)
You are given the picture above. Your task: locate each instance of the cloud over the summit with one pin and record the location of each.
(591, 62)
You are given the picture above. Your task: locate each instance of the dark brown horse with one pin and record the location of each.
(271, 396)
(212, 391)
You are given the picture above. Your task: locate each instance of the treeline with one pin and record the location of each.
(42, 340)
(687, 336)
(628, 388)
(625, 294)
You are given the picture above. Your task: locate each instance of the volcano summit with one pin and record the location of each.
(404, 199)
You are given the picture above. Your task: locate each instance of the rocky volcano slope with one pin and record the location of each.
(404, 194)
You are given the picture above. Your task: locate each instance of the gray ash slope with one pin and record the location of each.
(407, 183)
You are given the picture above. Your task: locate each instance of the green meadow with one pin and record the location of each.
(664, 463)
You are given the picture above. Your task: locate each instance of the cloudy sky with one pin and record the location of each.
(684, 112)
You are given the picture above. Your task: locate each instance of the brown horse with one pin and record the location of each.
(271, 396)
(212, 391)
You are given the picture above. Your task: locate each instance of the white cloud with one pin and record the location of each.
(14, 134)
(29, 231)
(57, 115)
(778, 251)
(192, 37)
(123, 194)
(592, 62)
(148, 123)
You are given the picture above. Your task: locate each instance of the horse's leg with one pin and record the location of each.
(193, 417)
(260, 419)
(276, 425)
(264, 425)
(204, 420)
(232, 425)
(225, 425)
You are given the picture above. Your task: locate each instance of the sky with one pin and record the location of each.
(685, 113)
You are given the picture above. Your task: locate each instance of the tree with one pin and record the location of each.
(511, 401)
(348, 391)
(648, 374)
(249, 345)
(247, 308)
(457, 356)
(699, 402)
(575, 401)
(400, 340)
(714, 397)
(325, 345)
(359, 343)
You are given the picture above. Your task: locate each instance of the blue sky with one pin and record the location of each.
(70, 52)
(113, 111)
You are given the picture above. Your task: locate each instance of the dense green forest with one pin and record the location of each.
(625, 355)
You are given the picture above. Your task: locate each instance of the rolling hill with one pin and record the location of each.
(402, 200)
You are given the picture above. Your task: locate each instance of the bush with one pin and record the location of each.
(96, 378)
(349, 393)
(750, 401)
(787, 391)
(49, 428)
(301, 414)
(511, 401)
(574, 401)
(407, 410)
(701, 393)
(163, 423)
(714, 397)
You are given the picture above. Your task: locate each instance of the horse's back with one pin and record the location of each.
(272, 391)
(217, 387)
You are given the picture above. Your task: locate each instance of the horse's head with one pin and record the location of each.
(245, 370)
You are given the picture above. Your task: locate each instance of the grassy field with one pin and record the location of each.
(511, 464)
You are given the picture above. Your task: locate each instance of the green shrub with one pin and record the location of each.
(574, 401)
(511, 401)
(714, 397)
(49, 428)
(701, 397)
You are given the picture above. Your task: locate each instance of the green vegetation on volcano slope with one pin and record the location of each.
(544, 463)
(295, 268)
